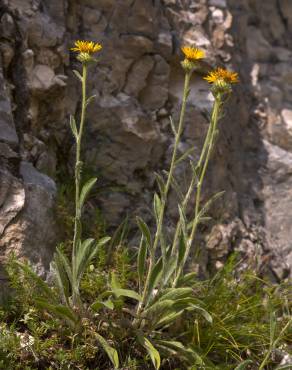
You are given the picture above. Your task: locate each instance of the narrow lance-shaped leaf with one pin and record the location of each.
(90, 99)
(78, 75)
(145, 232)
(118, 292)
(186, 154)
(111, 352)
(142, 254)
(161, 183)
(172, 126)
(157, 206)
(73, 127)
(154, 279)
(85, 191)
(152, 351)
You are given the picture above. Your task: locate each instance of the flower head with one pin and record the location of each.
(192, 56)
(85, 50)
(221, 74)
(222, 79)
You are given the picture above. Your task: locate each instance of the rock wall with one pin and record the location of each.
(138, 83)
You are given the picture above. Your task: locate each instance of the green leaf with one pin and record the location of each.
(142, 254)
(161, 183)
(85, 191)
(111, 352)
(208, 204)
(189, 304)
(78, 75)
(176, 293)
(185, 155)
(285, 367)
(169, 269)
(152, 351)
(145, 231)
(158, 310)
(172, 126)
(157, 207)
(97, 305)
(63, 274)
(178, 349)
(187, 279)
(61, 311)
(90, 99)
(243, 365)
(118, 292)
(114, 282)
(41, 284)
(73, 127)
(154, 279)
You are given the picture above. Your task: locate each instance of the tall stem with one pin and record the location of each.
(167, 186)
(190, 189)
(78, 168)
(209, 146)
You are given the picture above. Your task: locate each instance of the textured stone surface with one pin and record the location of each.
(138, 84)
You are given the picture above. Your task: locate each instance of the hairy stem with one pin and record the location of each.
(206, 149)
(167, 187)
(78, 168)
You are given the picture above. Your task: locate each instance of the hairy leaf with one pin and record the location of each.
(152, 351)
(111, 352)
(85, 191)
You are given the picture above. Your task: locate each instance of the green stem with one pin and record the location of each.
(209, 146)
(78, 168)
(190, 189)
(167, 187)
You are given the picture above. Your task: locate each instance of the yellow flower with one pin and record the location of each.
(221, 75)
(88, 47)
(193, 54)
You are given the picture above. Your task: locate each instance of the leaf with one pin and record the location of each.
(142, 254)
(189, 303)
(127, 293)
(97, 305)
(85, 191)
(156, 311)
(177, 348)
(111, 352)
(177, 188)
(285, 367)
(77, 74)
(208, 204)
(243, 365)
(152, 351)
(85, 254)
(187, 279)
(145, 231)
(176, 293)
(90, 99)
(114, 282)
(42, 285)
(63, 274)
(161, 183)
(172, 126)
(157, 207)
(155, 276)
(185, 155)
(73, 127)
(169, 269)
(63, 312)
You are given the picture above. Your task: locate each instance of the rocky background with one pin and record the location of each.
(138, 83)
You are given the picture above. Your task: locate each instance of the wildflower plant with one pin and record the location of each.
(165, 293)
